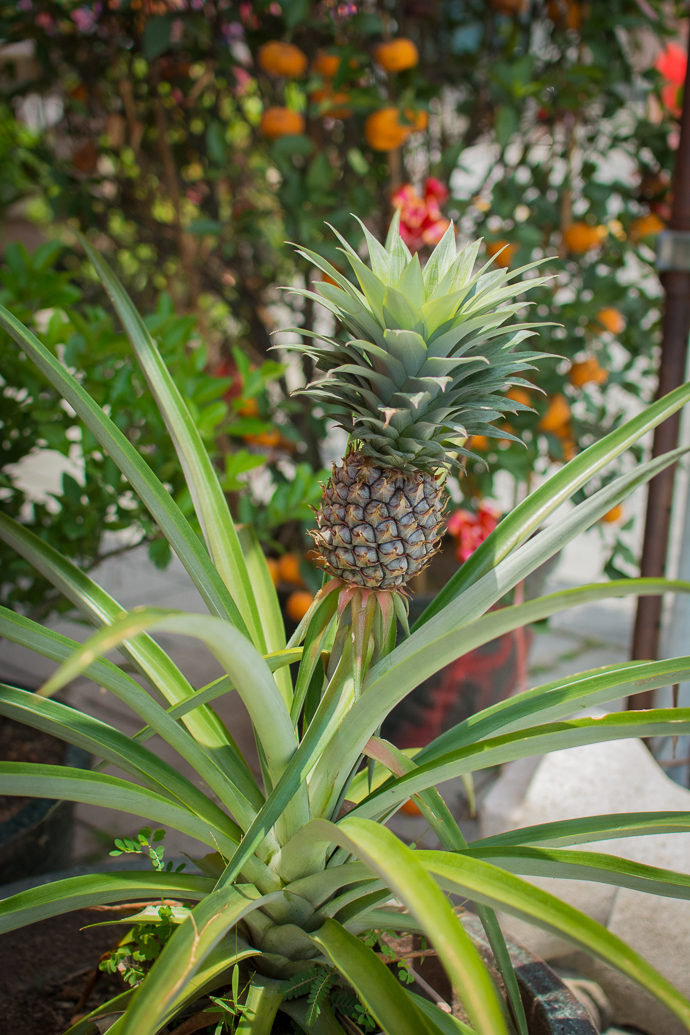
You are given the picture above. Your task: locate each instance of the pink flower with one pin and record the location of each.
(45, 21)
(177, 31)
(84, 19)
(470, 529)
(672, 63)
(247, 16)
(243, 80)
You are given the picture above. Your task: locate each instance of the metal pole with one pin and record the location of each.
(674, 346)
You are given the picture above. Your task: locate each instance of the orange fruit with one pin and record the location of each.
(288, 569)
(479, 442)
(85, 158)
(557, 414)
(611, 319)
(506, 257)
(270, 439)
(79, 93)
(326, 64)
(249, 407)
(614, 514)
(587, 371)
(509, 6)
(273, 570)
(519, 395)
(336, 102)
(582, 237)
(567, 14)
(298, 603)
(385, 132)
(645, 226)
(283, 59)
(281, 122)
(568, 448)
(410, 808)
(505, 443)
(397, 55)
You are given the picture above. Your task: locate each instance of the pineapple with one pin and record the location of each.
(427, 364)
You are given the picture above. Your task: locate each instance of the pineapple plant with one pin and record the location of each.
(428, 364)
(300, 876)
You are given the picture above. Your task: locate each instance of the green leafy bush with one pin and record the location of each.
(541, 116)
(94, 513)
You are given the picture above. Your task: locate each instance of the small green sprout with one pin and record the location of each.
(143, 844)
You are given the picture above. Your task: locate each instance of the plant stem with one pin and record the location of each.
(261, 1006)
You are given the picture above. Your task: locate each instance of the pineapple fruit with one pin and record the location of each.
(426, 363)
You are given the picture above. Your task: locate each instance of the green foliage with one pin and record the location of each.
(561, 97)
(137, 950)
(295, 886)
(228, 1007)
(315, 983)
(292, 501)
(318, 984)
(377, 940)
(350, 1005)
(94, 513)
(143, 844)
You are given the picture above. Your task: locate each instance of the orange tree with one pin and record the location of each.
(197, 138)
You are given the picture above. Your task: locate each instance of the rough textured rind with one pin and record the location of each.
(378, 527)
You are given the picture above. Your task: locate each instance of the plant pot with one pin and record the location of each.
(59, 956)
(37, 838)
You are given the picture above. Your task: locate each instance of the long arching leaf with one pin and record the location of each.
(244, 665)
(396, 865)
(591, 828)
(570, 864)
(413, 661)
(558, 699)
(529, 515)
(482, 882)
(106, 742)
(34, 780)
(202, 481)
(234, 783)
(153, 494)
(93, 889)
(101, 609)
(554, 736)
(247, 669)
(383, 995)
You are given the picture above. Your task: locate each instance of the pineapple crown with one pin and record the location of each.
(429, 360)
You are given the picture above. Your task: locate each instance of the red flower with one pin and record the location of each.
(471, 529)
(434, 188)
(421, 220)
(672, 63)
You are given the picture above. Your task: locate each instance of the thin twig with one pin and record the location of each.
(406, 955)
(431, 991)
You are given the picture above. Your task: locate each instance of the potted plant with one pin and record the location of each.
(302, 875)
